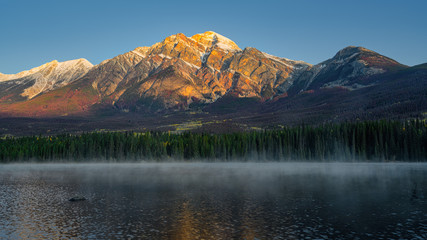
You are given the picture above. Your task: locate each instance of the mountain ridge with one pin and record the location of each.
(180, 73)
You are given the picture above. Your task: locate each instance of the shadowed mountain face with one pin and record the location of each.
(206, 71)
(349, 68)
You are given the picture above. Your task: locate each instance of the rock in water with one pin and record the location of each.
(77, 198)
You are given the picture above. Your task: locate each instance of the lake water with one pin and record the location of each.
(214, 201)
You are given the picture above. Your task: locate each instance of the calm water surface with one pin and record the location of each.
(214, 201)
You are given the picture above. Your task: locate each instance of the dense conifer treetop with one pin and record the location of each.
(360, 141)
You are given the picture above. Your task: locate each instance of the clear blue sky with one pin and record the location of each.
(35, 31)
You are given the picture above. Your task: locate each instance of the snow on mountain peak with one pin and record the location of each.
(7, 77)
(76, 63)
(48, 76)
(210, 38)
(67, 65)
(56, 74)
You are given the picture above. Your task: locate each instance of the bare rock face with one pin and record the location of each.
(212, 66)
(108, 74)
(218, 51)
(195, 63)
(179, 46)
(263, 75)
(177, 72)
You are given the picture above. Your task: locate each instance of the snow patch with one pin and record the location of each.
(343, 60)
(50, 76)
(164, 56)
(297, 64)
(190, 64)
(210, 39)
(139, 54)
(8, 77)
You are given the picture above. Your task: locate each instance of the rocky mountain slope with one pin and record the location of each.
(50, 76)
(349, 68)
(204, 71)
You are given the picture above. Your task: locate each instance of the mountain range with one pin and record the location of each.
(207, 78)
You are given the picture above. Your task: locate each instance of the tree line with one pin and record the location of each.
(353, 141)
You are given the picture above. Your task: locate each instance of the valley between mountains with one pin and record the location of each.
(206, 82)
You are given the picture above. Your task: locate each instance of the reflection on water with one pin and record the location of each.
(214, 201)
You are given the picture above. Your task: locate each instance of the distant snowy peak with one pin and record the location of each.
(55, 75)
(74, 64)
(7, 77)
(46, 77)
(47, 67)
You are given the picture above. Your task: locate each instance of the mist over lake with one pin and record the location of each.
(214, 201)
